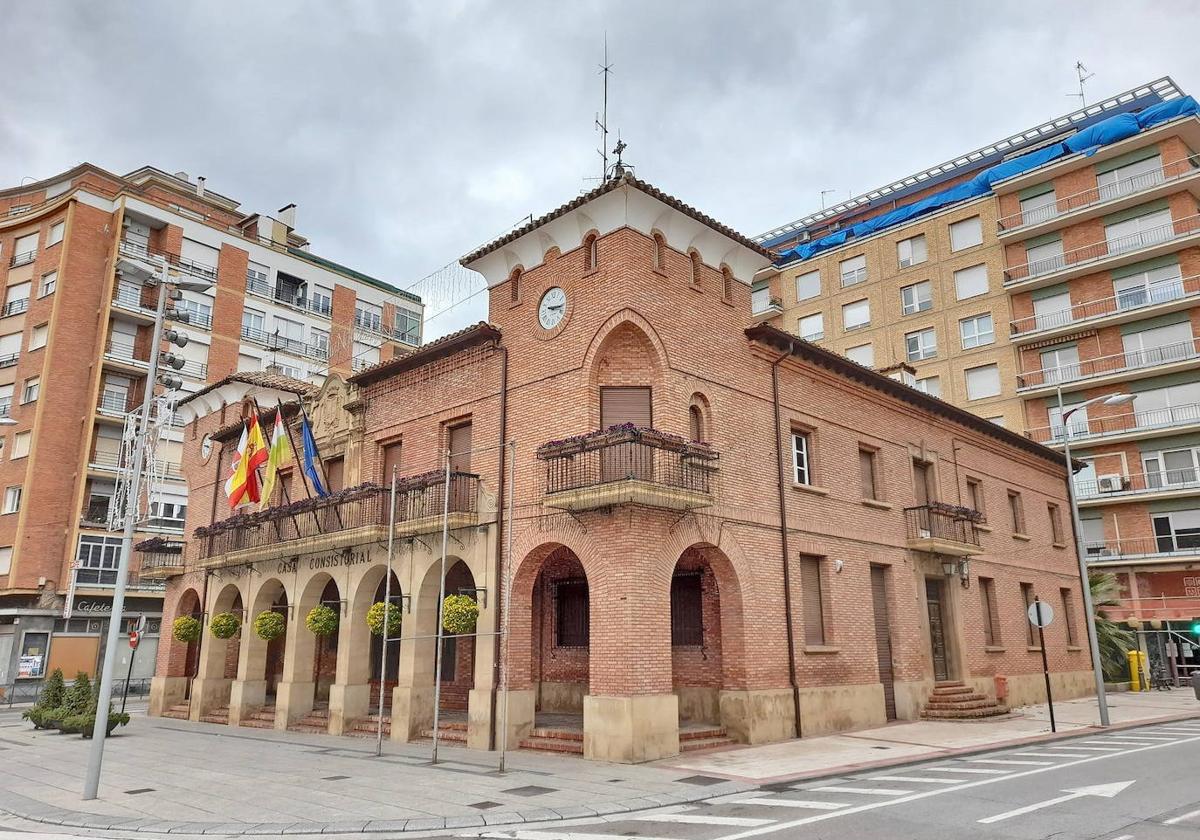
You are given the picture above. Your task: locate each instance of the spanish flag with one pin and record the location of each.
(242, 487)
(280, 452)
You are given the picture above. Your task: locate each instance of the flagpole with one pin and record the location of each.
(300, 466)
(265, 502)
(387, 610)
(321, 463)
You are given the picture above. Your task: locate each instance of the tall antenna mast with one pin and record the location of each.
(602, 117)
(1082, 73)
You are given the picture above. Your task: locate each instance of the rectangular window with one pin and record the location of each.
(12, 499)
(1030, 631)
(924, 482)
(1176, 531)
(971, 281)
(1155, 346)
(921, 344)
(1039, 208)
(408, 326)
(1130, 178)
(801, 471)
(1139, 232)
(1052, 311)
(1159, 285)
(854, 270)
(982, 382)
(808, 285)
(991, 613)
(5, 559)
(49, 284)
(97, 560)
(1060, 364)
(320, 343)
(1056, 526)
(253, 325)
(1171, 467)
(863, 354)
(25, 249)
(1068, 615)
(34, 651)
(916, 298)
(368, 316)
(856, 314)
(321, 300)
(17, 299)
(687, 609)
(814, 612)
(1016, 512)
(197, 313)
(391, 462)
(866, 471)
(1044, 258)
(911, 251)
(812, 327)
(459, 441)
(977, 331)
(931, 385)
(258, 279)
(966, 234)
(32, 386)
(571, 613)
(760, 298)
(975, 494)
(20, 447)
(56, 233)
(38, 336)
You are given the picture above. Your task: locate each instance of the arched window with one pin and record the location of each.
(591, 253)
(727, 283)
(695, 422)
(514, 284)
(660, 252)
(695, 267)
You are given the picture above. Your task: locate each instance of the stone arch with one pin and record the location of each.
(697, 266)
(591, 251)
(184, 657)
(263, 660)
(727, 282)
(700, 418)
(225, 652)
(514, 283)
(625, 351)
(372, 588)
(658, 252)
(322, 588)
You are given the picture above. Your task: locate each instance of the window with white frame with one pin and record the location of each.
(856, 314)
(20, 447)
(56, 233)
(1146, 288)
(198, 312)
(321, 300)
(29, 393)
(1039, 208)
(966, 233)
(977, 331)
(808, 285)
(1052, 311)
(863, 354)
(812, 327)
(49, 283)
(931, 385)
(971, 281)
(854, 270)
(760, 298)
(253, 324)
(1167, 406)
(1130, 178)
(5, 559)
(983, 382)
(289, 333)
(921, 344)
(38, 336)
(6, 395)
(408, 326)
(1172, 467)
(1044, 258)
(25, 249)
(257, 278)
(916, 298)
(12, 499)
(368, 316)
(911, 251)
(801, 454)
(17, 298)
(97, 560)
(1060, 364)
(1178, 530)
(1168, 343)
(320, 342)
(1138, 232)
(1078, 420)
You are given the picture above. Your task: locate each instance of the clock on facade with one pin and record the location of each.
(552, 308)
(206, 447)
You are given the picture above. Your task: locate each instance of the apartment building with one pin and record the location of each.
(1062, 260)
(76, 253)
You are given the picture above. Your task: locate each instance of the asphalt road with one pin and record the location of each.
(1138, 784)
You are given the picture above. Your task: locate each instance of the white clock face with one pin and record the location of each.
(552, 308)
(206, 447)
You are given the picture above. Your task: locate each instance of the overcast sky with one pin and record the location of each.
(409, 133)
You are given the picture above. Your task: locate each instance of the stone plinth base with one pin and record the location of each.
(347, 703)
(759, 716)
(166, 692)
(245, 696)
(630, 730)
(840, 708)
(412, 711)
(208, 694)
(293, 700)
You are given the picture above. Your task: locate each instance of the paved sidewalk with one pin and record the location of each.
(171, 776)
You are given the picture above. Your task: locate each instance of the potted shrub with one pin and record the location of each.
(224, 625)
(321, 620)
(77, 700)
(269, 625)
(186, 629)
(375, 619)
(459, 614)
(52, 696)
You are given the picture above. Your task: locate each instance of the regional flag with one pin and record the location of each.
(242, 487)
(311, 457)
(280, 452)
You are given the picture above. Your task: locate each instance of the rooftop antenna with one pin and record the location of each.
(602, 117)
(823, 194)
(1082, 73)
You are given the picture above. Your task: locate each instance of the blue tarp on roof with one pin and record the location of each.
(1087, 141)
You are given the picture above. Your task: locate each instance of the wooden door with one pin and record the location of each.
(883, 639)
(934, 603)
(619, 406)
(923, 482)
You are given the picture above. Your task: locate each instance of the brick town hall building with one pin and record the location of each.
(772, 541)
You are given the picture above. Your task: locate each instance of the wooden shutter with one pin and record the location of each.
(391, 458)
(619, 405)
(460, 448)
(687, 620)
(866, 466)
(333, 473)
(814, 616)
(921, 483)
(1030, 631)
(572, 613)
(991, 618)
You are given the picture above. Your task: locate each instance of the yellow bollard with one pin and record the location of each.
(1135, 671)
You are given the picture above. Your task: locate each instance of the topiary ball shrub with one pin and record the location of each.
(459, 614)
(321, 620)
(224, 625)
(269, 625)
(375, 619)
(186, 629)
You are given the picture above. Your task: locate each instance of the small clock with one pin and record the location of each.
(206, 447)
(552, 308)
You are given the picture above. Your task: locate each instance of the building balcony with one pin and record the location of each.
(23, 258)
(1100, 256)
(1134, 364)
(353, 517)
(1103, 199)
(765, 310)
(1134, 425)
(1142, 551)
(1158, 298)
(1118, 487)
(145, 261)
(627, 465)
(160, 558)
(15, 307)
(942, 529)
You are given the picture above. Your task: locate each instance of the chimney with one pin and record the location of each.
(200, 179)
(182, 176)
(287, 215)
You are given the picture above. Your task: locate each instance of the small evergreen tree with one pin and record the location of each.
(53, 692)
(79, 696)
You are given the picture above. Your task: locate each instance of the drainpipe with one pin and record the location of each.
(497, 595)
(783, 537)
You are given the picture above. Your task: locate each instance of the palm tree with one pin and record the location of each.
(1114, 640)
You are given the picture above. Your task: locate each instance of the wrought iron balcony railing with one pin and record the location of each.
(1167, 545)
(944, 529)
(1105, 365)
(1090, 428)
(1137, 484)
(149, 254)
(1156, 293)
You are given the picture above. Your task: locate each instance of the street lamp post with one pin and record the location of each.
(1080, 551)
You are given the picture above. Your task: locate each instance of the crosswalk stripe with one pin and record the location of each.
(699, 819)
(1086, 749)
(980, 770)
(870, 791)
(1052, 755)
(1122, 743)
(1010, 761)
(526, 834)
(914, 779)
(1157, 738)
(1177, 731)
(794, 803)
(1181, 818)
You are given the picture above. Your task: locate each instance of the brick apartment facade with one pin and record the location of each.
(710, 540)
(75, 334)
(1088, 279)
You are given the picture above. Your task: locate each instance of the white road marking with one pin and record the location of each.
(793, 803)
(1181, 818)
(526, 834)
(1085, 749)
(1154, 738)
(1107, 791)
(1010, 761)
(698, 819)
(978, 770)
(914, 779)
(1052, 755)
(1122, 743)
(1123, 837)
(869, 791)
(1177, 731)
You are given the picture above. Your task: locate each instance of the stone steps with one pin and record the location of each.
(954, 700)
(220, 715)
(263, 718)
(695, 744)
(180, 711)
(453, 732)
(315, 722)
(556, 745)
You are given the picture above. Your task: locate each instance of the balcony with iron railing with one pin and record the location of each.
(1124, 486)
(1107, 254)
(1143, 549)
(9, 360)
(103, 578)
(105, 461)
(347, 518)
(1180, 354)
(23, 258)
(1128, 425)
(1102, 198)
(938, 528)
(153, 258)
(16, 307)
(160, 558)
(628, 465)
(1146, 301)
(111, 402)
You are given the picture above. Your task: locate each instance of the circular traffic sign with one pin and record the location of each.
(1040, 614)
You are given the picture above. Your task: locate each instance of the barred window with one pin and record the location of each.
(571, 613)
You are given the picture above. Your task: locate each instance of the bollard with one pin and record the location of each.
(1196, 684)
(1135, 671)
